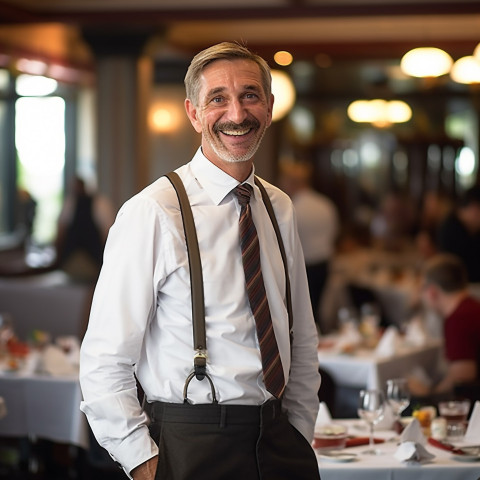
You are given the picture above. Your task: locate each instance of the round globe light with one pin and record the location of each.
(466, 70)
(426, 62)
(284, 93)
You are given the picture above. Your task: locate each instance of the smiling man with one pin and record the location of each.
(255, 416)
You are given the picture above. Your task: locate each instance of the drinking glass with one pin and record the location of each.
(398, 395)
(455, 412)
(371, 408)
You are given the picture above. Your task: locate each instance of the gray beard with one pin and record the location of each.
(229, 158)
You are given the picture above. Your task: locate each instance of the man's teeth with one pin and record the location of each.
(236, 133)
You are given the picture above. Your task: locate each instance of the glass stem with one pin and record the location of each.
(372, 444)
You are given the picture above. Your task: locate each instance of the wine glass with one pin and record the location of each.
(371, 408)
(398, 395)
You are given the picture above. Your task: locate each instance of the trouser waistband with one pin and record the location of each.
(214, 413)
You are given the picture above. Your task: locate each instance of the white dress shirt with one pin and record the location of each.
(317, 223)
(140, 319)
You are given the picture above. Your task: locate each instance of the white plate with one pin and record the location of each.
(466, 458)
(338, 457)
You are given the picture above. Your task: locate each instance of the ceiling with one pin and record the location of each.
(346, 29)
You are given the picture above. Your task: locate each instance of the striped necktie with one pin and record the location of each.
(271, 362)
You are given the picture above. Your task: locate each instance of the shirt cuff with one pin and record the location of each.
(136, 450)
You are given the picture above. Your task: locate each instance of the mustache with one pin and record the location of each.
(246, 124)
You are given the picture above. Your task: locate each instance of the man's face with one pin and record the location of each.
(233, 111)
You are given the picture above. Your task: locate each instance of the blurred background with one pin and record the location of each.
(95, 89)
(377, 108)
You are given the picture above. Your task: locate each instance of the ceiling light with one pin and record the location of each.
(476, 52)
(466, 70)
(379, 112)
(284, 93)
(426, 62)
(283, 58)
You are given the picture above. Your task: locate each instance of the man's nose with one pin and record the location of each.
(236, 111)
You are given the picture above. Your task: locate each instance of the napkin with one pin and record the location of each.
(472, 435)
(413, 453)
(389, 343)
(324, 417)
(413, 433)
(56, 362)
(415, 333)
(387, 420)
(411, 449)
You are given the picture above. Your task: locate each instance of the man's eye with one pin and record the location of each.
(217, 100)
(251, 95)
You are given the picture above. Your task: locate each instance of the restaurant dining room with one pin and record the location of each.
(375, 139)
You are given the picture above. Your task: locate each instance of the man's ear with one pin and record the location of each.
(192, 115)
(270, 110)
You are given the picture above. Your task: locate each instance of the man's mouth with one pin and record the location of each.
(236, 133)
(236, 130)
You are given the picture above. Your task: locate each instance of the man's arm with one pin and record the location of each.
(145, 471)
(458, 372)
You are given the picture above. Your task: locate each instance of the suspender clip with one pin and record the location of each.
(200, 364)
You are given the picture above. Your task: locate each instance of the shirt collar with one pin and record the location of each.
(216, 183)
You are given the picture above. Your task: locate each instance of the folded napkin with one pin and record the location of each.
(415, 333)
(389, 343)
(323, 417)
(388, 419)
(411, 449)
(56, 362)
(472, 435)
(412, 453)
(413, 433)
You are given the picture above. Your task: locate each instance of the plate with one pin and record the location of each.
(338, 457)
(466, 458)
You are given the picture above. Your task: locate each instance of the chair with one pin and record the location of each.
(328, 391)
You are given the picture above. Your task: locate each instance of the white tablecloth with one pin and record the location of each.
(387, 467)
(44, 407)
(363, 369)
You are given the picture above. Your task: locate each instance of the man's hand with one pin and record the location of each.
(146, 470)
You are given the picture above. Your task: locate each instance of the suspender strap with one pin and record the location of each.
(196, 278)
(273, 219)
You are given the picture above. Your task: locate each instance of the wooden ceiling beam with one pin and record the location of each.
(294, 9)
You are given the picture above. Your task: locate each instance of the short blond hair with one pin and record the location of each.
(223, 51)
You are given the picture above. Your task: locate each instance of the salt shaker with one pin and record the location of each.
(439, 428)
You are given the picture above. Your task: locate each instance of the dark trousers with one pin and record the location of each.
(233, 442)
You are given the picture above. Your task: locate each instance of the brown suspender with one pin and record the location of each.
(196, 279)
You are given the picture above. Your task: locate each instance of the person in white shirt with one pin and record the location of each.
(318, 227)
(140, 324)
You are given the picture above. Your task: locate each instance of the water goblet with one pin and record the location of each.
(398, 395)
(371, 408)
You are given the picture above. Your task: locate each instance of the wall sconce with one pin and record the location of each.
(165, 118)
(426, 62)
(466, 70)
(381, 113)
(284, 92)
